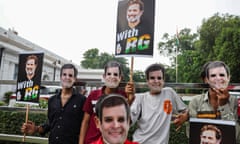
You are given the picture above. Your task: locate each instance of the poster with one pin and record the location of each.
(135, 28)
(212, 131)
(29, 77)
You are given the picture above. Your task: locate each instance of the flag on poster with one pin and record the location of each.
(135, 27)
(213, 131)
(29, 77)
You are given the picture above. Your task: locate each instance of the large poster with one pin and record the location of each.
(135, 27)
(29, 77)
(212, 131)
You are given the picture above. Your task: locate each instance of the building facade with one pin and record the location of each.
(11, 45)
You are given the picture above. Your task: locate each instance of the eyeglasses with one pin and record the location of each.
(69, 75)
(153, 78)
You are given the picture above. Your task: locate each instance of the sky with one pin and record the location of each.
(71, 27)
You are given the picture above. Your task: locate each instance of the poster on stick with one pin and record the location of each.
(135, 28)
(29, 77)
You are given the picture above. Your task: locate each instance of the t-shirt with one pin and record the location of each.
(153, 115)
(93, 132)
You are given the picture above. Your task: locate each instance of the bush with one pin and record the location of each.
(11, 120)
(6, 97)
(176, 137)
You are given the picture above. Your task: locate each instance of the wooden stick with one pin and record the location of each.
(26, 120)
(131, 69)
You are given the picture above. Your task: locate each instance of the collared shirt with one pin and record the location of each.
(64, 122)
(100, 141)
(200, 107)
(93, 132)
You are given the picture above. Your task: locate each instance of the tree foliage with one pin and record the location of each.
(218, 38)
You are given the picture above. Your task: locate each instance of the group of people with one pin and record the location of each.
(106, 114)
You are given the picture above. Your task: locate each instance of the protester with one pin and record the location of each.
(153, 110)
(216, 103)
(112, 77)
(64, 112)
(113, 120)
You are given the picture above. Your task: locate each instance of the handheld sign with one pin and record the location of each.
(29, 78)
(135, 28)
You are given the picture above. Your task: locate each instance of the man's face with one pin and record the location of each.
(67, 78)
(30, 67)
(155, 82)
(134, 13)
(112, 77)
(115, 125)
(209, 137)
(218, 78)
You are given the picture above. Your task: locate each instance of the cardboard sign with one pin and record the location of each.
(135, 28)
(212, 131)
(29, 78)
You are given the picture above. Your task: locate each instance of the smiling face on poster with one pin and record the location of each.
(212, 131)
(29, 77)
(135, 27)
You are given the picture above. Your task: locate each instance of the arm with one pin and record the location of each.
(226, 105)
(31, 128)
(130, 91)
(84, 127)
(181, 118)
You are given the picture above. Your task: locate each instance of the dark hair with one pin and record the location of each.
(215, 64)
(113, 64)
(69, 66)
(203, 74)
(213, 128)
(154, 67)
(141, 4)
(33, 57)
(111, 100)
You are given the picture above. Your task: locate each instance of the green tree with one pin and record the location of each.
(91, 59)
(220, 40)
(181, 54)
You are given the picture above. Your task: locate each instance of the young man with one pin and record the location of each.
(216, 103)
(113, 120)
(210, 134)
(134, 12)
(31, 66)
(112, 77)
(153, 110)
(64, 112)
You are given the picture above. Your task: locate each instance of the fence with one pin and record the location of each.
(94, 84)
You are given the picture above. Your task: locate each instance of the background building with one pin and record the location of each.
(11, 45)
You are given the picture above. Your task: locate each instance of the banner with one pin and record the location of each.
(212, 131)
(135, 28)
(29, 78)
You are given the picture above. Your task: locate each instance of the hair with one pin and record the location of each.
(32, 57)
(69, 66)
(215, 64)
(111, 100)
(141, 4)
(113, 64)
(154, 67)
(213, 128)
(203, 71)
